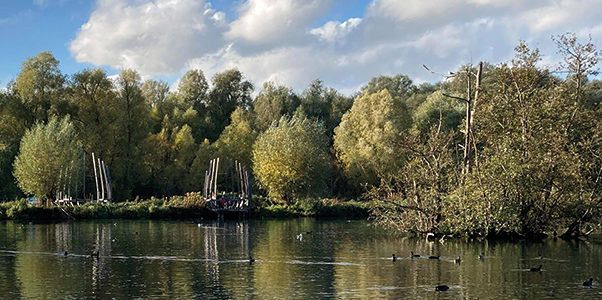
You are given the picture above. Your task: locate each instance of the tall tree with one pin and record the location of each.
(229, 91)
(40, 85)
(14, 121)
(132, 129)
(93, 95)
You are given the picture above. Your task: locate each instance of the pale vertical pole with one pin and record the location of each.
(102, 183)
(216, 172)
(95, 177)
(210, 181)
(205, 184)
(84, 173)
(108, 182)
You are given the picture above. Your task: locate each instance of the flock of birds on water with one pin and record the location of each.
(443, 287)
(439, 288)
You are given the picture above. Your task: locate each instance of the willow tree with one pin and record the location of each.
(365, 140)
(291, 160)
(48, 158)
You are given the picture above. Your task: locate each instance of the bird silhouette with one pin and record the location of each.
(441, 288)
(457, 260)
(251, 259)
(394, 257)
(412, 255)
(589, 283)
(94, 255)
(538, 269)
(433, 257)
(482, 256)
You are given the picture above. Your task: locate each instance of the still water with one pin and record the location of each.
(338, 259)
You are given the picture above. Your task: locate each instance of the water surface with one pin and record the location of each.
(331, 259)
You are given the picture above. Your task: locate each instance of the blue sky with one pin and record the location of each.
(291, 42)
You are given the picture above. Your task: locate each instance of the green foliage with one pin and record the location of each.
(40, 85)
(93, 94)
(291, 160)
(438, 109)
(229, 91)
(48, 157)
(399, 86)
(14, 121)
(237, 139)
(365, 139)
(272, 103)
(132, 122)
(193, 89)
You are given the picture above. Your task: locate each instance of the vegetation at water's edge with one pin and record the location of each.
(519, 152)
(178, 207)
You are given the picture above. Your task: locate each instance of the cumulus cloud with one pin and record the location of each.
(154, 37)
(275, 22)
(283, 41)
(333, 30)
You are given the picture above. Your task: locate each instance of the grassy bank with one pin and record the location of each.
(179, 207)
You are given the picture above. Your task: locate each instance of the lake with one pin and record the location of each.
(332, 259)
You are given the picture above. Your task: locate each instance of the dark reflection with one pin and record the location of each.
(299, 258)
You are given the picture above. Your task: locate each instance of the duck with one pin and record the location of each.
(539, 257)
(94, 255)
(481, 256)
(300, 236)
(434, 257)
(589, 283)
(251, 259)
(457, 260)
(394, 257)
(65, 253)
(441, 288)
(538, 269)
(412, 255)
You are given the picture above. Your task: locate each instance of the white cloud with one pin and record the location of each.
(275, 22)
(334, 30)
(283, 41)
(154, 37)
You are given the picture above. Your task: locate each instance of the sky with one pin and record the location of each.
(290, 42)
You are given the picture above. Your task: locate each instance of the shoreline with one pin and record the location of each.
(177, 207)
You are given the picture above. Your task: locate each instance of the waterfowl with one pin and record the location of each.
(441, 288)
(457, 260)
(308, 232)
(589, 283)
(412, 255)
(300, 236)
(481, 256)
(65, 253)
(538, 269)
(394, 257)
(251, 259)
(539, 257)
(433, 257)
(94, 254)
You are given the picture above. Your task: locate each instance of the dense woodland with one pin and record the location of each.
(513, 148)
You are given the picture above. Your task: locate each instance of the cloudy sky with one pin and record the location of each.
(290, 42)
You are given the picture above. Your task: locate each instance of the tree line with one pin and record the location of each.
(507, 148)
